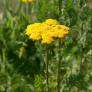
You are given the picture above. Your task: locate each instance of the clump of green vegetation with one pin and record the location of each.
(23, 66)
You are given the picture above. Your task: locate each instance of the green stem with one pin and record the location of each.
(58, 57)
(59, 64)
(59, 8)
(58, 77)
(46, 60)
(58, 54)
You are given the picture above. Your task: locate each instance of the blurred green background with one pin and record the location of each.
(21, 60)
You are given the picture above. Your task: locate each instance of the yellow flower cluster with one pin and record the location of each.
(26, 1)
(46, 31)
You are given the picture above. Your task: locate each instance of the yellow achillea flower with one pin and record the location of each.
(60, 31)
(47, 37)
(26, 1)
(47, 31)
(51, 22)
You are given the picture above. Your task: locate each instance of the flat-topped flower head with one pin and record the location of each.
(26, 1)
(51, 22)
(46, 32)
(33, 31)
(60, 31)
